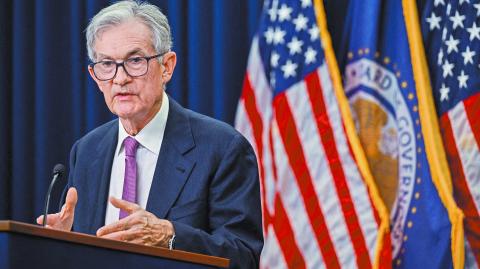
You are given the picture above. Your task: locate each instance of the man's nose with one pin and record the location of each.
(122, 76)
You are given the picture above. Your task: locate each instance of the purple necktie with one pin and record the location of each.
(130, 180)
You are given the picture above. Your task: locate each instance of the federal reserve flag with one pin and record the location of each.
(451, 31)
(392, 112)
(320, 205)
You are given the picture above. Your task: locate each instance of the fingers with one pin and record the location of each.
(67, 213)
(121, 225)
(124, 223)
(141, 227)
(40, 220)
(135, 236)
(51, 219)
(70, 202)
(71, 199)
(132, 235)
(124, 205)
(64, 219)
(138, 219)
(119, 235)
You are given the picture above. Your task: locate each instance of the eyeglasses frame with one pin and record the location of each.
(122, 64)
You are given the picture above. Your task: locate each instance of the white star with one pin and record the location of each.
(461, 1)
(314, 33)
(447, 69)
(439, 2)
(440, 57)
(272, 12)
(300, 22)
(477, 7)
(310, 55)
(444, 34)
(274, 59)
(462, 80)
(289, 69)
(306, 3)
(269, 34)
(295, 46)
(444, 92)
(468, 56)
(284, 13)
(452, 44)
(474, 31)
(434, 21)
(457, 20)
(449, 8)
(278, 36)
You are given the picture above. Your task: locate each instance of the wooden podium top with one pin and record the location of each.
(85, 239)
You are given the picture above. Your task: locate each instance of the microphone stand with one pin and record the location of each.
(57, 173)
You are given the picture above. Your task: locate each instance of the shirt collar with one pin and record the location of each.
(149, 136)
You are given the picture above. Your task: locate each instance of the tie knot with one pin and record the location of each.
(130, 145)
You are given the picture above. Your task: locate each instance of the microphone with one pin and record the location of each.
(57, 173)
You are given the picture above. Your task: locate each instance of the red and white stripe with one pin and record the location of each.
(461, 133)
(317, 209)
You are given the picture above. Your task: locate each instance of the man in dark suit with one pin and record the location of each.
(173, 178)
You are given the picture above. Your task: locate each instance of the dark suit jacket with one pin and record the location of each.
(205, 182)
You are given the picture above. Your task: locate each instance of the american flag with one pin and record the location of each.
(318, 209)
(451, 31)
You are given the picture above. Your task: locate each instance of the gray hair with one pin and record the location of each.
(123, 11)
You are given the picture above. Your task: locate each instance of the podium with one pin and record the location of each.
(30, 246)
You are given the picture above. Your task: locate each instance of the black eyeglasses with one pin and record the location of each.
(134, 67)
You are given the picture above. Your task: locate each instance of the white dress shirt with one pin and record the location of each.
(150, 140)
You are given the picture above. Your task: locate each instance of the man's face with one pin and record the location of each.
(136, 99)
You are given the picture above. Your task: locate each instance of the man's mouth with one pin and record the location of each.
(123, 95)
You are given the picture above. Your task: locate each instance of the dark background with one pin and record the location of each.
(48, 100)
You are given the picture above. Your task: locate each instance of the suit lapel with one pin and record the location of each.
(173, 168)
(100, 171)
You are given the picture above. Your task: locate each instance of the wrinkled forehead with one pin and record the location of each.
(123, 38)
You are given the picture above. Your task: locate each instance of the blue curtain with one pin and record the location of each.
(48, 100)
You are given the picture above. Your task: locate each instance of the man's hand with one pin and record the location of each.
(64, 219)
(140, 227)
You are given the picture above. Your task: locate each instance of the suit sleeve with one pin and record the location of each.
(234, 211)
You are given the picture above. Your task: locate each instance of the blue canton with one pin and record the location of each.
(289, 42)
(453, 63)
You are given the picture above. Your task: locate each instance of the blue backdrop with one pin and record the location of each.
(48, 100)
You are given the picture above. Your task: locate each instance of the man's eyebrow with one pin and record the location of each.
(101, 56)
(130, 53)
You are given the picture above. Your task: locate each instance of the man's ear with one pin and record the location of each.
(169, 62)
(99, 83)
(90, 70)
